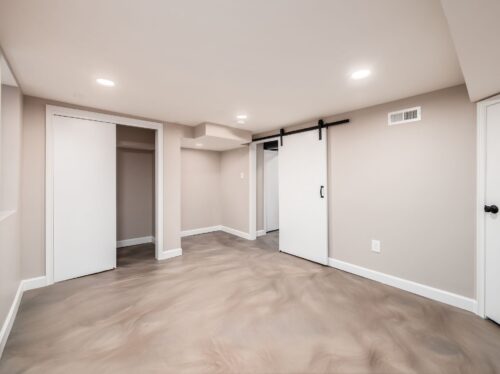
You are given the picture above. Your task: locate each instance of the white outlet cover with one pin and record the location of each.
(376, 246)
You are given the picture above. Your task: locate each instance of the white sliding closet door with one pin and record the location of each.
(303, 205)
(84, 197)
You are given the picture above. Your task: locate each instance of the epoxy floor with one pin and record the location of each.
(229, 306)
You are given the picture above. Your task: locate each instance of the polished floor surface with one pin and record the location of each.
(229, 305)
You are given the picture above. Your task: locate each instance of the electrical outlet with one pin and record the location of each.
(376, 246)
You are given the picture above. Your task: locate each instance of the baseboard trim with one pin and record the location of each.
(202, 230)
(134, 241)
(432, 293)
(261, 232)
(24, 285)
(235, 232)
(10, 318)
(170, 253)
(33, 283)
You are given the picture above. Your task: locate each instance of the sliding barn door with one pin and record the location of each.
(84, 197)
(303, 206)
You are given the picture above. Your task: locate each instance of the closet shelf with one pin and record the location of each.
(135, 145)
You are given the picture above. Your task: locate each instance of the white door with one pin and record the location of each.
(84, 197)
(492, 203)
(271, 190)
(303, 203)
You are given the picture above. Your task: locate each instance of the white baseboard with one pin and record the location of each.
(134, 241)
(11, 316)
(235, 232)
(32, 283)
(202, 230)
(24, 285)
(446, 297)
(261, 232)
(170, 253)
(225, 229)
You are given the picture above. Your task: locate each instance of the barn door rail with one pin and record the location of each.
(319, 127)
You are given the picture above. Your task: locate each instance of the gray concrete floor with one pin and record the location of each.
(231, 305)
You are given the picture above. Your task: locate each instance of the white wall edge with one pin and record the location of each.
(235, 232)
(135, 241)
(436, 294)
(9, 319)
(261, 232)
(202, 230)
(170, 253)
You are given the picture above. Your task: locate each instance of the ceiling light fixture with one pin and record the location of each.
(361, 74)
(199, 144)
(241, 116)
(105, 82)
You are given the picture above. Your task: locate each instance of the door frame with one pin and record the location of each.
(264, 192)
(482, 106)
(52, 111)
(252, 180)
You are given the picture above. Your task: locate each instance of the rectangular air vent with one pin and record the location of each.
(405, 116)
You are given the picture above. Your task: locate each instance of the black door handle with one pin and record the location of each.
(491, 209)
(321, 192)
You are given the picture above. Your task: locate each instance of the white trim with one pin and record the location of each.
(134, 241)
(4, 214)
(261, 232)
(170, 253)
(252, 191)
(33, 283)
(24, 285)
(235, 232)
(49, 173)
(202, 230)
(9, 319)
(446, 297)
(480, 202)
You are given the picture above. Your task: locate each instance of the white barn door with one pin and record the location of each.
(84, 197)
(303, 202)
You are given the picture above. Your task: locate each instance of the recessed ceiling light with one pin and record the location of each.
(360, 74)
(105, 82)
(242, 116)
(199, 144)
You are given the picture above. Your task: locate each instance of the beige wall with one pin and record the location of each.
(201, 189)
(234, 189)
(33, 186)
(10, 217)
(410, 186)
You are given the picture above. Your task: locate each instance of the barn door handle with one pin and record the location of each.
(321, 192)
(491, 209)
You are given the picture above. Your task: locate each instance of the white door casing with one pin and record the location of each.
(271, 190)
(492, 220)
(84, 163)
(303, 199)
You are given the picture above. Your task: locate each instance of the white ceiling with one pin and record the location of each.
(6, 74)
(475, 28)
(189, 61)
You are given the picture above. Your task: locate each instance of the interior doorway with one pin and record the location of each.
(271, 186)
(80, 222)
(135, 194)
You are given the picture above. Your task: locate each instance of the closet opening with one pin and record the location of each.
(135, 195)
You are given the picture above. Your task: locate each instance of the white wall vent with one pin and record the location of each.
(405, 116)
